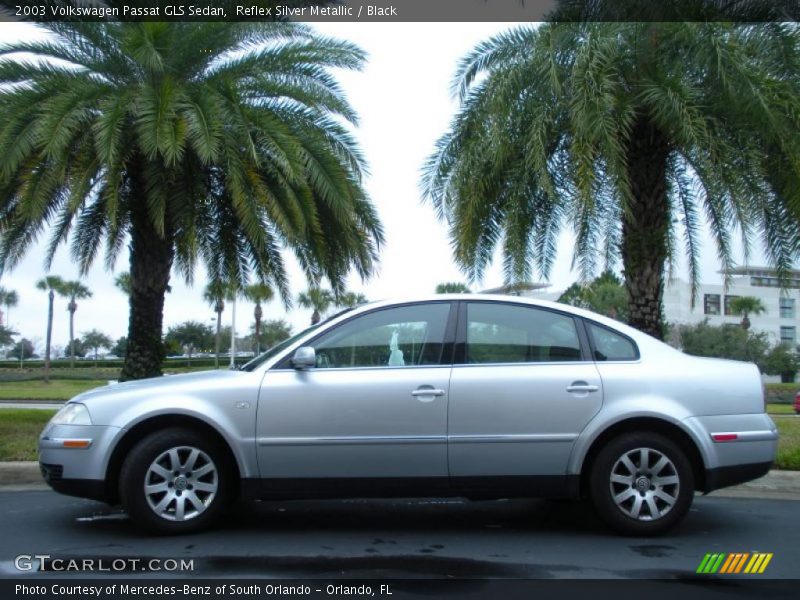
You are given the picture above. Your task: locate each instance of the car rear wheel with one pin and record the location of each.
(176, 481)
(641, 484)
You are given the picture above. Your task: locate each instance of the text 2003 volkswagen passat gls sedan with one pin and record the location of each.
(475, 396)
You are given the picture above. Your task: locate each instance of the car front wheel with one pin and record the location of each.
(641, 484)
(175, 481)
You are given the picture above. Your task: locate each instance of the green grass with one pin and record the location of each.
(57, 389)
(789, 444)
(780, 409)
(19, 432)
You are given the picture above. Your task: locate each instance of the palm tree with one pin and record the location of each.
(630, 133)
(351, 300)
(452, 288)
(318, 299)
(126, 133)
(746, 306)
(123, 282)
(6, 337)
(52, 284)
(97, 339)
(74, 290)
(215, 294)
(258, 293)
(9, 299)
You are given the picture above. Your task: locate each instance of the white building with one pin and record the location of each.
(780, 321)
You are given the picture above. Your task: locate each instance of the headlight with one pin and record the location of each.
(72, 414)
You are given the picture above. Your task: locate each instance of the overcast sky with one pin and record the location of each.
(402, 97)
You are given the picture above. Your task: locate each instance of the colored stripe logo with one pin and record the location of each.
(736, 562)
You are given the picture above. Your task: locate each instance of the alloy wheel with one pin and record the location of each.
(644, 484)
(181, 483)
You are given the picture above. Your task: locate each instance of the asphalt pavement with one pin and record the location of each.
(405, 538)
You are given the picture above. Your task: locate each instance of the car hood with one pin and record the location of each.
(186, 382)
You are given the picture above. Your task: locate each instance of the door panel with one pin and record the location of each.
(522, 394)
(517, 419)
(353, 423)
(375, 405)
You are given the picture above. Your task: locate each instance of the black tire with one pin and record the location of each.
(647, 490)
(137, 471)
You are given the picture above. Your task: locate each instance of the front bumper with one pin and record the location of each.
(95, 489)
(77, 471)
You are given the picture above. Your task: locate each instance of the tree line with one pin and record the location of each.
(631, 135)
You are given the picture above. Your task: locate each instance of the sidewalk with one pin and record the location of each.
(776, 485)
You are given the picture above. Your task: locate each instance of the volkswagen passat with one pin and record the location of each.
(469, 395)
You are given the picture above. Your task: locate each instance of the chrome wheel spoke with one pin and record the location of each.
(636, 509)
(162, 505)
(180, 508)
(662, 481)
(662, 495)
(644, 458)
(156, 488)
(659, 466)
(202, 486)
(651, 505)
(623, 496)
(623, 479)
(174, 460)
(204, 470)
(195, 501)
(161, 471)
(190, 462)
(628, 464)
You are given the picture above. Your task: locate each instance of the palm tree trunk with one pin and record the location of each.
(257, 314)
(218, 339)
(151, 257)
(645, 227)
(72, 334)
(315, 317)
(232, 364)
(50, 298)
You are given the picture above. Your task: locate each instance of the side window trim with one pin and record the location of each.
(284, 364)
(460, 350)
(588, 324)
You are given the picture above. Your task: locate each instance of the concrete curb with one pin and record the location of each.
(778, 485)
(19, 473)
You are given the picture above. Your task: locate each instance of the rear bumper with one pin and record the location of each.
(733, 475)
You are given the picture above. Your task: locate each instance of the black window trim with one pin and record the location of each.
(593, 348)
(460, 353)
(284, 364)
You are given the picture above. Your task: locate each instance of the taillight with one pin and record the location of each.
(764, 394)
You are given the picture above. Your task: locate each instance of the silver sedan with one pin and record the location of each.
(469, 395)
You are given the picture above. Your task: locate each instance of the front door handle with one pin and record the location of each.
(422, 392)
(582, 386)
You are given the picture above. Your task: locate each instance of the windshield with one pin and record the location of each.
(279, 347)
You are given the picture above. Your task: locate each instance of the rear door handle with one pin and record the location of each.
(580, 386)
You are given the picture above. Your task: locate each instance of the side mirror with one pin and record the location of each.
(304, 358)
